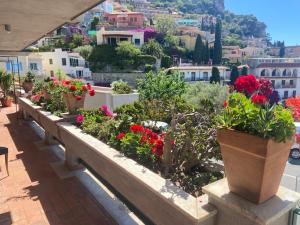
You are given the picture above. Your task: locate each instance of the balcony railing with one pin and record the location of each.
(279, 86)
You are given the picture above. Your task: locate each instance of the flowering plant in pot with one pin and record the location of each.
(6, 81)
(74, 92)
(255, 139)
(28, 82)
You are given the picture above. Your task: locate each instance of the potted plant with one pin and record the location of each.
(255, 138)
(74, 94)
(28, 82)
(5, 84)
(121, 87)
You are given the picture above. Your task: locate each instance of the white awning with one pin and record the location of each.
(30, 20)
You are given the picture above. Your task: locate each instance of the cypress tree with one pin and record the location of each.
(206, 54)
(217, 57)
(215, 77)
(244, 71)
(198, 52)
(234, 75)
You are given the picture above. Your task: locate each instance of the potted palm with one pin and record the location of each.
(5, 84)
(255, 138)
(28, 82)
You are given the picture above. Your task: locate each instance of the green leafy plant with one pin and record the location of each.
(161, 86)
(121, 87)
(30, 77)
(6, 81)
(251, 111)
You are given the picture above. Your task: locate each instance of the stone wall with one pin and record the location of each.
(108, 78)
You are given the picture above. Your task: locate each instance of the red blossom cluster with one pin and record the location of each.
(294, 104)
(247, 84)
(147, 137)
(258, 90)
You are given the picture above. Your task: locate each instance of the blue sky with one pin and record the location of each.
(281, 16)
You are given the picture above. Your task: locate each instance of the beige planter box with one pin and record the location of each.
(105, 96)
(49, 123)
(29, 108)
(159, 199)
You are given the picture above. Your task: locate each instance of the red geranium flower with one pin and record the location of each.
(246, 84)
(89, 87)
(265, 87)
(80, 119)
(137, 128)
(83, 88)
(67, 82)
(259, 99)
(92, 92)
(78, 97)
(144, 139)
(120, 136)
(225, 104)
(73, 88)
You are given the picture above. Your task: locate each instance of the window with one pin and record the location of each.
(50, 61)
(291, 82)
(73, 62)
(123, 39)
(112, 41)
(135, 19)
(51, 73)
(273, 83)
(205, 76)
(294, 93)
(286, 94)
(137, 42)
(33, 66)
(283, 82)
(64, 61)
(131, 19)
(193, 76)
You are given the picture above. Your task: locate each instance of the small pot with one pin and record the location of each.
(6, 102)
(253, 165)
(28, 86)
(72, 103)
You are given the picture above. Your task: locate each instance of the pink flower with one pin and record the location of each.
(80, 119)
(104, 108)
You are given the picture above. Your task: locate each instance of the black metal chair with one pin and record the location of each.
(4, 151)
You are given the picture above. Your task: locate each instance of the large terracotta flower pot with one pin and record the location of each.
(6, 102)
(72, 103)
(28, 86)
(253, 165)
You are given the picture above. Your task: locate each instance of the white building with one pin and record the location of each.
(23, 63)
(282, 72)
(113, 37)
(70, 63)
(199, 73)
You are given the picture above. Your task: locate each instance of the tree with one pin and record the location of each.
(206, 54)
(85, 51)
(152, 47)
(234, 75)
(94, 23)
(127, 50)
(282, 50)
(77, 40)
(217, 56)
(199, 49)
(215, 78)
(165, 24)
(244, 71)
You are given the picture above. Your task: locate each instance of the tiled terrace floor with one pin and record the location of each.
(33, 194)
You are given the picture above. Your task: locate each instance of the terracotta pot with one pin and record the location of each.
(72, 103)
(28, 86)
(253, 165)
(6, 102)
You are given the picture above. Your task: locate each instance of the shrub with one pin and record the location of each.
(166, 61)
(30, 77)
(200, 91)
(161, 86)
(121, 87)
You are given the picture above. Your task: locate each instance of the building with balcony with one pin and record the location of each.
(199, 73)
(114, 37)
(125, 19)
(70, 63)
(282, 72)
